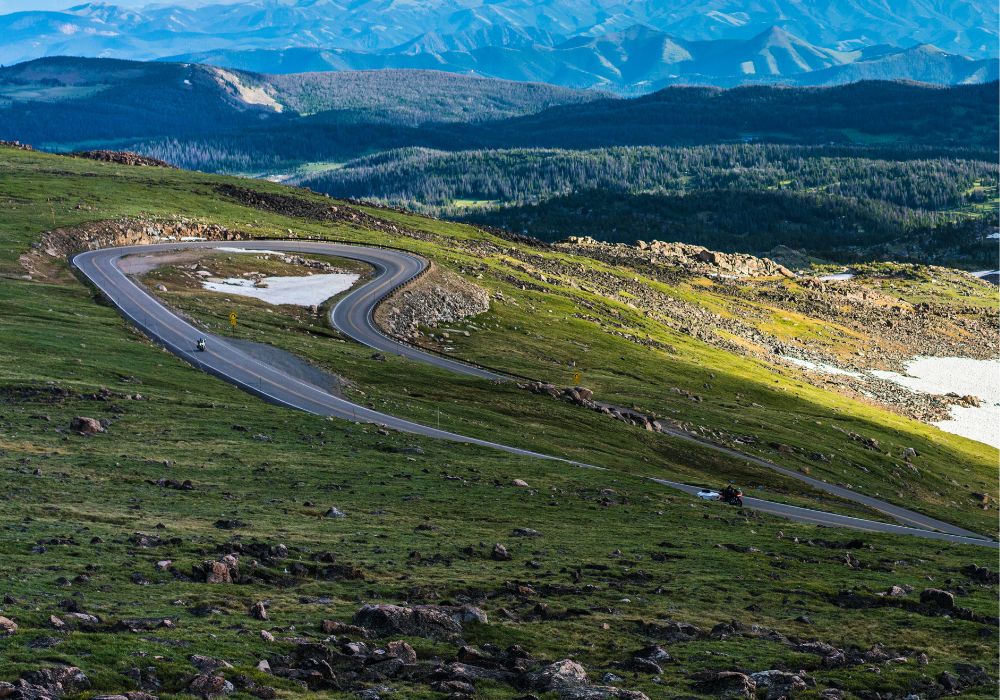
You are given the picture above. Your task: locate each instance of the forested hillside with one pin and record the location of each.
(68, 101)
(834, 227)
(846, 171)
(915, 178)
(842, 203)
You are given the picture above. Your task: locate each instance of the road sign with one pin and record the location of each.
(232, 319)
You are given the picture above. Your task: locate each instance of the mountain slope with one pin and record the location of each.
(70, 99)
(201, 524)
(924, 63)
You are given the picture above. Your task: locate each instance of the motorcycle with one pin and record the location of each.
(732, 496)
(200, 345)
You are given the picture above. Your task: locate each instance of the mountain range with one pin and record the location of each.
(639, 60)
(627, 47)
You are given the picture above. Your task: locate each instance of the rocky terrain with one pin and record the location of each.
(693, 258)
(436, 297)
(745, 302)
(59, 244)
(123, 158)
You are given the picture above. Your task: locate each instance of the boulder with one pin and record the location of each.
(402, 651)
(779, 684)
(525, 532)
(568, 680)
(86, 426)
(258, 610)
(557, 676)
(419, 621)
(55, 682)
(600, 692)
(673, 631)
(207, 686)
(654, 653)
(726, 684)
(207, 664)
(218, 572)
(7, 626)
(937, 598)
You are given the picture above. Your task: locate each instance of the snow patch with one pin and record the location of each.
(962, 376)
(840, 276)
(229, 249)
(298, 291)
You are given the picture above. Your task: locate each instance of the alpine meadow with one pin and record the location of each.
(561, 350)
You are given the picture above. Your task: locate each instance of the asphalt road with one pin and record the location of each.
(352, 315)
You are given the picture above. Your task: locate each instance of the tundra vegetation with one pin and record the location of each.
(165, 533)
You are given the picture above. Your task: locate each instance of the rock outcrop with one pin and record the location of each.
(60, 243)
(695, 258)
(430, 621)
(438, 296)
(123, 158)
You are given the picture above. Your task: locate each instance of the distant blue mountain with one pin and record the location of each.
(639, 60)
(633, 46)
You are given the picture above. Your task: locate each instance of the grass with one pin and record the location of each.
(59, 346)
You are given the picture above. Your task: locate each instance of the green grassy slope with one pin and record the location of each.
(59, 347)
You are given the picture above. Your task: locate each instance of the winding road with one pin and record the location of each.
(353, 316)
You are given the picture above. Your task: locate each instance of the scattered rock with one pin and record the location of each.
(525, 532)
(500, 553)
(438, 296)
(52, 682)
(258, 611)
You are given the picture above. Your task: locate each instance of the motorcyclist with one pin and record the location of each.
(731, 494)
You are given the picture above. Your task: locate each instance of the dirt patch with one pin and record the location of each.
(141, 264)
